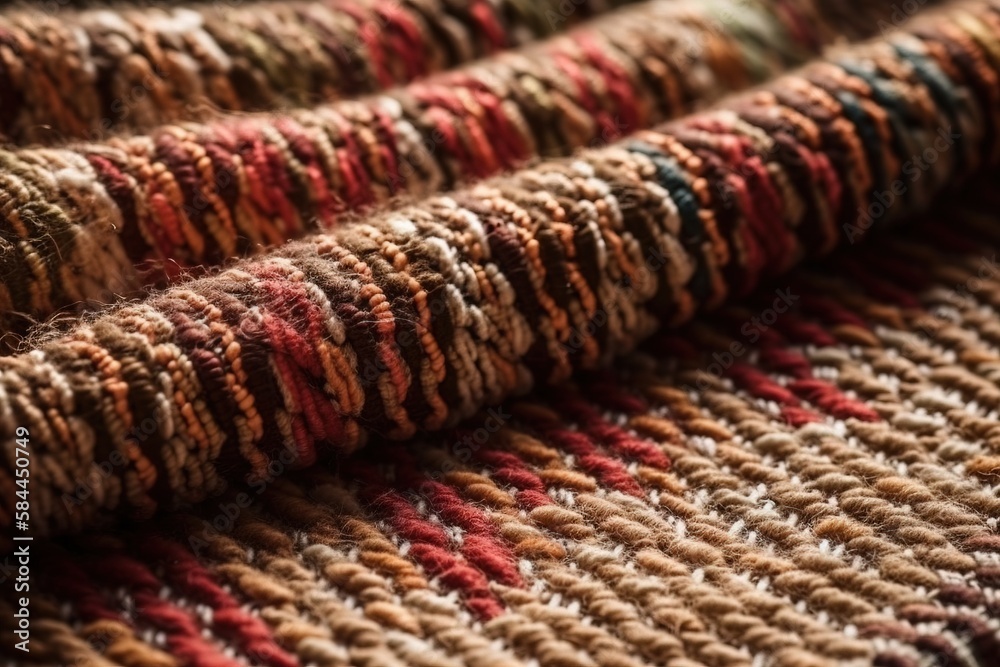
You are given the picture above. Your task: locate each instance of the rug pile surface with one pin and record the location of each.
(495, 332)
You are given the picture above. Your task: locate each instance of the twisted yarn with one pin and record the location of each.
(68, 73)
(415, 318)
(828, 498)
(89, 222)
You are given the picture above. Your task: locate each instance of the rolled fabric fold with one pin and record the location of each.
(89, 222)
(83, 73)
(415, 318)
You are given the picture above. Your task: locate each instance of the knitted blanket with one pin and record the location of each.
(658, 335)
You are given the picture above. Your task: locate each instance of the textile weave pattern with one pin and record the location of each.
(828, 498)
(500, 333)
(82, 74)
(418, 317)
(88, 222)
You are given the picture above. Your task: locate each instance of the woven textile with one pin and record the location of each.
(421, 316)
(512, 364)
(86, 73)
(90, 221)
(820, 490)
